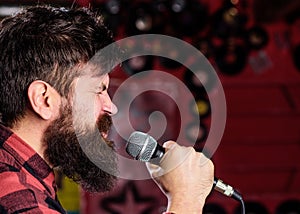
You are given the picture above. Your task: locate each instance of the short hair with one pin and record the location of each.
(43, 42)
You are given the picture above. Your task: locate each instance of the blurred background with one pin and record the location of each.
(254, 46)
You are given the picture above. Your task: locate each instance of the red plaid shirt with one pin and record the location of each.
(27, 183)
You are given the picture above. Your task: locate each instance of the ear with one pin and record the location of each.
(44, 99)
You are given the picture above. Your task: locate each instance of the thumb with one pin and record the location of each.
(157, 170)
(168, 145)
(154, 170)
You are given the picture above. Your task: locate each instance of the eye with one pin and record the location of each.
(102, 89)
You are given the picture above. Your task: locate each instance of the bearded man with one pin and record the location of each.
(55, 109)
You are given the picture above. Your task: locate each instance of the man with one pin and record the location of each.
(54, 103)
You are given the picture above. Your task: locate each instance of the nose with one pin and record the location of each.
(109, 106)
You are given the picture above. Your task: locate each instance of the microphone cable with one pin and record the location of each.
(227, 190)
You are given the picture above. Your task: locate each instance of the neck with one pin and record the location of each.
(31, 129)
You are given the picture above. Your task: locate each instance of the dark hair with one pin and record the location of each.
(45, 43)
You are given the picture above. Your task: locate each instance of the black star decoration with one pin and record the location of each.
(129, 201)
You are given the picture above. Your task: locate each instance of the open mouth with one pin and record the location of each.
(104, 135)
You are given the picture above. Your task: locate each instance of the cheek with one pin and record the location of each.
(98, 108)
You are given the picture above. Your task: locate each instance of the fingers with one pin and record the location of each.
(169, 145)
(184, 175)
(175, 155)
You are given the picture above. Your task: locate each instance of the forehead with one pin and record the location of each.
(95, 80)
(90, 77)
(92, 69)
(89, 83)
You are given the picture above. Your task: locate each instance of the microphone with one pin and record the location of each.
(145, 148)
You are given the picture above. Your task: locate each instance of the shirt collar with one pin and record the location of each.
(26, 156)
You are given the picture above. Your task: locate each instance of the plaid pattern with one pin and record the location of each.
(27, 183)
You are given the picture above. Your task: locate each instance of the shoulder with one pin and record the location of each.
(17, 196)
(14, 196)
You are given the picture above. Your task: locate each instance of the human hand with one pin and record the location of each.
(185, 177)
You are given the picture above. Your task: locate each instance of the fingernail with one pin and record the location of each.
(169, 144)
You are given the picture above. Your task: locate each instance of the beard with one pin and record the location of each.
(80, 152)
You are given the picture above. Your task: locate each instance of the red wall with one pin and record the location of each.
(260, 150)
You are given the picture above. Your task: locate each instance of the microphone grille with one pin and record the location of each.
(141, 146)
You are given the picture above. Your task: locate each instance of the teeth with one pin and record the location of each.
(104, 135)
